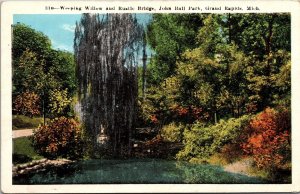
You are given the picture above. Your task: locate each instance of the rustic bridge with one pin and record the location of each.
(147, 142)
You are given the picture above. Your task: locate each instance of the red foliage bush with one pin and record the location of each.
(61, 137)
(267, 138)
(190, 113)
(27, 103)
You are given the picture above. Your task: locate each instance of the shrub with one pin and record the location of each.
(188, 114)
(173, 132)
(59, 102)
(267, 139)
(203, 141)
(27, 103)
(147, 113)
(61, 137)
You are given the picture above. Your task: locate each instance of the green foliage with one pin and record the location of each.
(173, 132)
(154, 109)
(23, 151)
(63, 69)
(169, 35)
(26, 38)
(218, 76)
(60, 137)
(28, 73)
(216, 83)
(219, 159)
(24, 122)
(227, 72)
(39, 69)
(269, 80)
(202, 141)
(59, 102)
(258, 34)
(209, 37)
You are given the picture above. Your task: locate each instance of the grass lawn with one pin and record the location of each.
(23, 151)
(24, 122)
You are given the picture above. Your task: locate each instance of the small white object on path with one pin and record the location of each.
(22, 133)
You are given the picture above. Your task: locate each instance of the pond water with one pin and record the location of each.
(137, 171)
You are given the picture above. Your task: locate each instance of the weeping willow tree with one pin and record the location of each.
(107, 49)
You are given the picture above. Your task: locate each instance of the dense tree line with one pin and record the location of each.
(43, 78)
(227, 65)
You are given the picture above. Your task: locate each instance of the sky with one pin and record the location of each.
(59, 28)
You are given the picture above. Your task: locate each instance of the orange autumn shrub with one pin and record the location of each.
(267, 139)
(188, 114)
(61, 137)
(27, 103)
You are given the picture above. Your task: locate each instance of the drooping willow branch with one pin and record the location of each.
(107, 49)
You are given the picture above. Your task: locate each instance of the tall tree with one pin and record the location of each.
(107, 50)
(169, 35)
(229, 78)
(39, 69)
(24, 37)
(264, 38)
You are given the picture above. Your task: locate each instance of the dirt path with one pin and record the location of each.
(241, 167)
(22, 133)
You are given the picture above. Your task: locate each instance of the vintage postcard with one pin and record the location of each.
(150, 96)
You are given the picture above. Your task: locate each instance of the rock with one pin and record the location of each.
(23, 166)
(43, 160)
(38, 165)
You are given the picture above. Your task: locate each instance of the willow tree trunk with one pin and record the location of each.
(107, 48)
